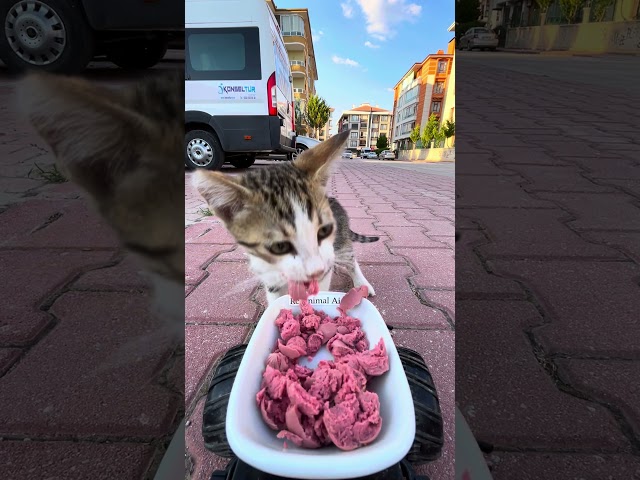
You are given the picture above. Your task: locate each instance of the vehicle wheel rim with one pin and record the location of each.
(35, 32)
(298, 151)
(200, 152)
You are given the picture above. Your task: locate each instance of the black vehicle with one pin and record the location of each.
(63, 36)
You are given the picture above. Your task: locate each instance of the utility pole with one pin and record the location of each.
(370, 122)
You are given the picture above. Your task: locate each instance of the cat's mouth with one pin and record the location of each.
(302, 290)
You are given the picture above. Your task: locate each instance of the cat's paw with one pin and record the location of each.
(372, 292)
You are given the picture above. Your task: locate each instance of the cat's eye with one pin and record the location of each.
(281, 248)
(325, 231)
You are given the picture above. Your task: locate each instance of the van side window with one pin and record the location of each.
(223, 54)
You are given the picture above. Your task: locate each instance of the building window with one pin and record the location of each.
(297, 62)
(383, 126)
(435, 107)
(364, 118)
(354, 126)
(298, 90)
(374, 125)
(383, 118)
(439, 87)
(353, 144)
(442, 66)
(355, 118)
(354, 134)
(292, 25)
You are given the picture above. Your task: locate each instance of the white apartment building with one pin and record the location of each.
(367, 123)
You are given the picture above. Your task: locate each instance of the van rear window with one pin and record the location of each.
(223, 54)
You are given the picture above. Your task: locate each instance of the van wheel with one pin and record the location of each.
(203, 150)
(243, 162)
(137, 54)
(47, 35)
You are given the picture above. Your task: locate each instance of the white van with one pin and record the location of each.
(238, 84)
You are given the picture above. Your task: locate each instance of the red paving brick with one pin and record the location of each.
(96, 355)
(23, 319)
(557, 179)
(534, 233)
(409, 237)
(495, 191)
(50, 225)
(438, 350)
(197, 257)
(444, 299)
(204, 344)
(392, 220)
(224, 296)
(614, 382)
(515, 416)
(397, 303)
(535, 466)
(126, 276)
(591, 307)
(8, 356)
(74, 460)
(433, 265)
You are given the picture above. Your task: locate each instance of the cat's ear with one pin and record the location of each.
(317, 161)
(223, 193)
(92, 130)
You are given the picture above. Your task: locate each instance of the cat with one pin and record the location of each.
(281, 215)
(124, 148)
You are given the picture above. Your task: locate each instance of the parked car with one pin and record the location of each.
(238, 84)
(304, 143)
(387, 155)
(479, 37)
(348, 154)
(370, 155)
(60, 36)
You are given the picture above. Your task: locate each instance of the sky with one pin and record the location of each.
(364, 47)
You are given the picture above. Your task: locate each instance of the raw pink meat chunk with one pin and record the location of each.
(329, 404)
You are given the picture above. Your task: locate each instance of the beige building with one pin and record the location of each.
(296, 32)
(325, 132)
(449, 103)
(428, 88)
(367, 123)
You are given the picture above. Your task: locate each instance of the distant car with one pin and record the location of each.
(348, 154)
(387, 155)
(479, 37)
(304, 143)
(369, 155)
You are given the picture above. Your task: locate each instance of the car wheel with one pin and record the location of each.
(137, 54)
(203, 150)
(299, 149)
(243, 162)
(47, 35)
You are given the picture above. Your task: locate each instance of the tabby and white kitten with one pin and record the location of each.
(124, 147)
(281, 215)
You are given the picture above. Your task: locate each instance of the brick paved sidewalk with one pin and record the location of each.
(548, 180)
(411, 268)
(70, 300)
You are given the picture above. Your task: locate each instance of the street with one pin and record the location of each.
(547, 185)
(71, 299)
(410, 206)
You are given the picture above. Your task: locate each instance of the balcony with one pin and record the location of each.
(298, 70)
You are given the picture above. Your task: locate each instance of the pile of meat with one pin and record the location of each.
(330, 404)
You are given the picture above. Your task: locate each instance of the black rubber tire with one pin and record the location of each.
(138, 54)
(243, 162)
(79, 43)
(427, 445)
(299, 149)
(209, 141)
(214, 415)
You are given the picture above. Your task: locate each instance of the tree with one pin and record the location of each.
(317, 114)
(544, 4)
(430, 131)
(449, 130)
(570, 9)
(382, 143)
(599, 8)
(301, 128)
(415, 134)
